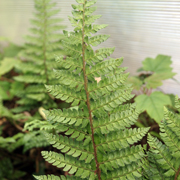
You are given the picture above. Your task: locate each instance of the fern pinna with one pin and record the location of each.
(164, 158)
(97, 139)
(38, 54)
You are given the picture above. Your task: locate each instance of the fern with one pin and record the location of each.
(164, 158)
(37, 56)
(98, 141)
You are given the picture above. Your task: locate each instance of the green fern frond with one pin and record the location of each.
(44, 41)
(165, 158)
(121, 158)
(121, 139)
(81, 169)
(118, 121)
(97, 139)
(75, 146)
(53, 177)
(177, 103)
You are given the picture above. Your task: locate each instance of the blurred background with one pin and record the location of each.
(138, 29)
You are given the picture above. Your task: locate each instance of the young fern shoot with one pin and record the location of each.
(97, 140)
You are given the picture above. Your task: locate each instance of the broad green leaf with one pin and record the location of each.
(166, 75)
(80, 1)
(161, 64)
(90, 3)
(153, 104)
(6, 65)
(136, 83)
(153, 81)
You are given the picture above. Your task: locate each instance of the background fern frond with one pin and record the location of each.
(164, 158)
(36, 66)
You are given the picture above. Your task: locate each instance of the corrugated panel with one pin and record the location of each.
(138, 28)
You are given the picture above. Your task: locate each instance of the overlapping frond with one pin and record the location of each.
(164, 158)
(97, 140)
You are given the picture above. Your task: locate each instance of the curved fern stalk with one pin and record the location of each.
(97, 143)
(43, 43)
(165, 158)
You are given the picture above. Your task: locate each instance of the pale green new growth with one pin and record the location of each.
(97, 140)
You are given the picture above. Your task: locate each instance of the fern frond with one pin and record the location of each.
(71, 147)
(121, 158)
(116, 121)
(171, 139)
(163, 156)
(104, 68)
(65, 94)
(70, 164)
(37, 124)
(121, 139)
(69, 78)
(69, 63)
(107, 85)
(177, 103)
(43, 41)
(96, 141)
(53, 177)
(131, 172)
(99, 55)
(70, 116)
(96, 40)
(31, 79)
(112, 101)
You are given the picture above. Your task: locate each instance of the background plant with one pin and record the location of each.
(40, 48)
(164, 158)
(34, 67)
(149, 97)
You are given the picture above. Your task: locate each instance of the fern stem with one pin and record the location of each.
(177, 173)
(44, 44)
(87, 95)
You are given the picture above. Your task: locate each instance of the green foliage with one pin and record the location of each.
(6, 65)
(154, 71)
(7, 170)
(153, 104)
(8, 49)
(164, 158)
(97, 140)
(160, 65)
(35, 68)
(36, 65)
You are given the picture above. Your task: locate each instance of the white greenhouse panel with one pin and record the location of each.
(138, 28)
